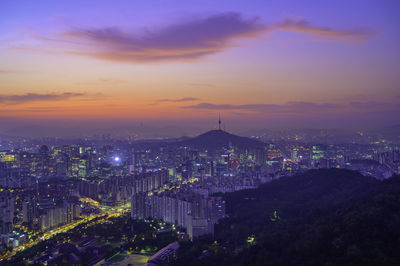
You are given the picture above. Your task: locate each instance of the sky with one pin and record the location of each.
(257, 63)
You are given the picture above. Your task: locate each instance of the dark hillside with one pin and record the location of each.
(321, 217)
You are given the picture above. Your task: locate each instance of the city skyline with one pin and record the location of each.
(258, 64)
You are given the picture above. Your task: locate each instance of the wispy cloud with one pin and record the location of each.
(102, 81)
(9, 71)
(368, 104)
(305, 27)
(375, 106)
(298, 108)
(185, 99)
(37, 97)
(290, 107)
(32, 110)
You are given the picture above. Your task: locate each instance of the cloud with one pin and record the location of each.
(37, 97)
(9, 71)
(368, 104)
(303, 26)
(375, 106)
(290, 107)
(185, 40)
(102, 81)
(185, 99)
(32, 110)
(298, 108)
(180, 41)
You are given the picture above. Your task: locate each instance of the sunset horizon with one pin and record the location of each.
(272, 63)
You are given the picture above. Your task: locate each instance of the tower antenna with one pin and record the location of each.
(219, 121)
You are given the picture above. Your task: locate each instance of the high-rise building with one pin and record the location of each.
(7, 206)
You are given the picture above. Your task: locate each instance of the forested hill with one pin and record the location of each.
(217, 139)
(321, 217)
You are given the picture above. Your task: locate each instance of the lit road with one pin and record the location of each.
(106, 213)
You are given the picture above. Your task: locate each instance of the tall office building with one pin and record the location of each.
(7, 206)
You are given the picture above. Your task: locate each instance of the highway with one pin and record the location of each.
(106, 213)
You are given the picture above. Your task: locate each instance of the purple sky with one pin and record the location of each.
(258, 63)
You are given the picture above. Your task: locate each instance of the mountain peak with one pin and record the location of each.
(216, 139)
